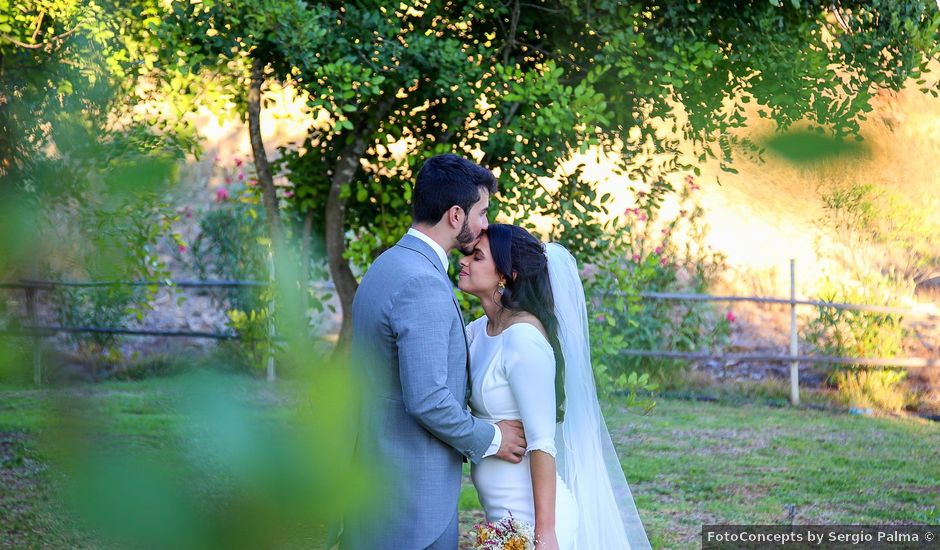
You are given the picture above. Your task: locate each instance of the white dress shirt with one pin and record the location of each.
(433, 244)
(442, 255)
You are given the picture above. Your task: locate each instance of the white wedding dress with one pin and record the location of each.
(513, 378)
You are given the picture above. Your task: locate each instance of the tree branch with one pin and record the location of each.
(840, 19)
(47, 43)
(511, 37)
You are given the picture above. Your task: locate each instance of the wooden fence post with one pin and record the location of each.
(271, 325)
(794, 342)
(37, 348)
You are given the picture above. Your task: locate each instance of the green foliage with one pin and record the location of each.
(889, 226)
(523, 89)
(85, 175)
(872, 388)
(884, 229)
(645, 256)
(850, 333)
(72, 67)
(227, 473)
(111, 235)
(808, 147)
(231, 245)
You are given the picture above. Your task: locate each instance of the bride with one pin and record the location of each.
(530, 360)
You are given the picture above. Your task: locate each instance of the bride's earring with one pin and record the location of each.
(500, 287)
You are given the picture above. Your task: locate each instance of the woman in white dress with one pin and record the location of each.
(530, 360)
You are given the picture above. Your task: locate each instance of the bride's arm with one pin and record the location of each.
(542, 467)
(530, 369)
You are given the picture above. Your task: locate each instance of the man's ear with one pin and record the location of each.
(455, 216)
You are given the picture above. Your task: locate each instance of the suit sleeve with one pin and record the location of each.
(421, 318)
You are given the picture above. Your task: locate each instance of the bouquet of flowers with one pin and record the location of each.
(508, 533)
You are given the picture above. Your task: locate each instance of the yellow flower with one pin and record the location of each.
(483, 535)
(515, 543)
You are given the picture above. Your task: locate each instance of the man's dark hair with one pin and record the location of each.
(448, 180)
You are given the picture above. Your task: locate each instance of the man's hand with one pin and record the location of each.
(512, 448)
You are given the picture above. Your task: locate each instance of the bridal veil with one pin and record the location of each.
(586, 460)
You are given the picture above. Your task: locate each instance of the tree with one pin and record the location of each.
(81, 181)
(523, 85)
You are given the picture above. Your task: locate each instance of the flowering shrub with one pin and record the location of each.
(232, 244)
(647, 255)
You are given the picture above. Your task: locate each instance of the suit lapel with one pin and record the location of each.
(417, 245)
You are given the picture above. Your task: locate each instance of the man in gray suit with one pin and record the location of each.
(410, 347)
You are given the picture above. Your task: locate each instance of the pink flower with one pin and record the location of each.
(589, 271)
(182, 248)
(663, 262)
(252, 182)
(730, 317)
(601, 318)
(641, 194)
(221, 194)
(689, 180)
(659, 250)
(228, 180)
(636, 258)
(633, 211)
(288, 194)
(642, 216)
(241, 175)
(238, 162)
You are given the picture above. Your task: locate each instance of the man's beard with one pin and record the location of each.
(466, 239)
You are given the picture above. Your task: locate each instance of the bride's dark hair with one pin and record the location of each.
(520, 257)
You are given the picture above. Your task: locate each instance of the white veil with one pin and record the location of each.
(587, 461)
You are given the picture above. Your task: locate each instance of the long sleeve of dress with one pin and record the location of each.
(529, 363)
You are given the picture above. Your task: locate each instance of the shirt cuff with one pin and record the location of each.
(497, 441)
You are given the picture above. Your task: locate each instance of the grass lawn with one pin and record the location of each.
(688, 463)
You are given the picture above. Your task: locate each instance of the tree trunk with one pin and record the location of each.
(265, 180)
(346, 167)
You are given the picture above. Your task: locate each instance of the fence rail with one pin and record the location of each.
(907, 362)
(34, 330)
(793, 357)
(53, 330)
(785, 301)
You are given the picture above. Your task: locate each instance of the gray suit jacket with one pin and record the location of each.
(410, 348)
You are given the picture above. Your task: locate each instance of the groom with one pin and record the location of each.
(411, 349)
